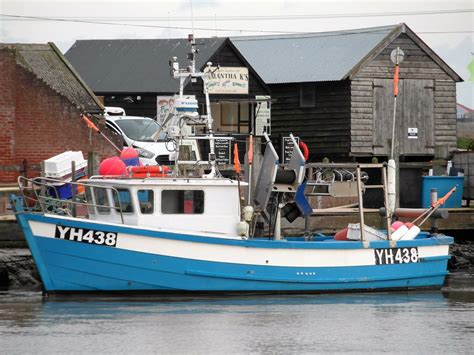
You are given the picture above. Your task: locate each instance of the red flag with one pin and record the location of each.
(236, 159)
(89, 123)
(395, 81)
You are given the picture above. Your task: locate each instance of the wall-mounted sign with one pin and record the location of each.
(222, 149)
(412, 133)
(262, 116)
(164, 105)
(287, 148)
(228, 80)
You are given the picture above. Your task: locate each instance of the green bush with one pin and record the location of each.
(465, 143)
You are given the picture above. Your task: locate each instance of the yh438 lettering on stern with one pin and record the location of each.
(83, 235)
(396, 256)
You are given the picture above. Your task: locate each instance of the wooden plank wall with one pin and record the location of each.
(325, 127)
(416, 65)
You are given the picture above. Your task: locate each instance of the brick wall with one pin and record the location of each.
(37, 122)
(7, 114)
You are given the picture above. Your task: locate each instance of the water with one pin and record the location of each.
(408, 322)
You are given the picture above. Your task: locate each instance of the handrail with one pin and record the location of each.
(43, 200)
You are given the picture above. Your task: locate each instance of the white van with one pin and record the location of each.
(139, 132)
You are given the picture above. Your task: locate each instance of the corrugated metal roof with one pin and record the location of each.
(47, 63)
(325, 56)
(135, 65)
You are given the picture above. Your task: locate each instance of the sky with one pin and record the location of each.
(448, 29)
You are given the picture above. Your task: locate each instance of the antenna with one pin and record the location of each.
(192, 17)
(190, 73)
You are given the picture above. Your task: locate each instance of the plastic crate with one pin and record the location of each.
(64, 191)
(443, 184)
(59, 166)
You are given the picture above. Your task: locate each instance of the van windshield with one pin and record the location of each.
(139, 129)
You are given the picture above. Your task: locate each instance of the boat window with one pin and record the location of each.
(145, 200)
(182, 201)
(89, 200)
(123, 201)
(102, 200)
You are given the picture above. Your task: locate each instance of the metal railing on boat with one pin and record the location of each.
(43, 192)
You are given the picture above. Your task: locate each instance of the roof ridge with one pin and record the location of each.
(147, 39)
(365, 30)
(465, 107)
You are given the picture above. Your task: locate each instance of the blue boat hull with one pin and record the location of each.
(67, 265)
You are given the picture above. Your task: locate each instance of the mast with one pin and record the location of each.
(190, 73)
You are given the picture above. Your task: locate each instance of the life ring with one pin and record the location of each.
(142, 172)
(304, 149)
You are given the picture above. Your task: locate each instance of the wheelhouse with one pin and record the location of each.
(188, 205)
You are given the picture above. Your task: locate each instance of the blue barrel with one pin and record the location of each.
(443, 184)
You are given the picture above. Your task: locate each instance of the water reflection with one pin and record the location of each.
(370, 322)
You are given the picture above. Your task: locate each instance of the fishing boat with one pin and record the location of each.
(157, 232)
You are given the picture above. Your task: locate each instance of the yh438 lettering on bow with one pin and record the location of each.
(83, 235)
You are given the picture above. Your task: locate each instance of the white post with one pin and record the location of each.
(212, 154)
(277, 233)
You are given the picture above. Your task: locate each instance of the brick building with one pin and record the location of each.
(41, 102)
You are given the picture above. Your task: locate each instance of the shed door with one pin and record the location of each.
(383, 115)
(418, 117)
(415, 111)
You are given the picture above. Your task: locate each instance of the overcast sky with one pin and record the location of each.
(457, 49)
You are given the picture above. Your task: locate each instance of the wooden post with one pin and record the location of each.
(92, 163)
(73, 188)
(24, 168)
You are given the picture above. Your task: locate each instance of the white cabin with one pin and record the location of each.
(196, 205)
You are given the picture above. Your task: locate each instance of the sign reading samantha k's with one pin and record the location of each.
(228, 80)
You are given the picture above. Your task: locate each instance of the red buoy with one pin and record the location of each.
(304, 150)
(112, 166)
(130, 156)
(341, 235)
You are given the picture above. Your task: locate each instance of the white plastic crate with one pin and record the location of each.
(353, 233)
(59, 166)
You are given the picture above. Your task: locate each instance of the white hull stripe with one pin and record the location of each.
(243, 255)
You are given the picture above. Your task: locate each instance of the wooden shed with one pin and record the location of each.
(335, 91)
